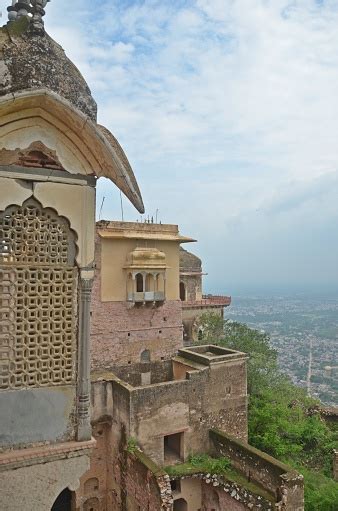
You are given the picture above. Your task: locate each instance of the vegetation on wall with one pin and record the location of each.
(283, 420)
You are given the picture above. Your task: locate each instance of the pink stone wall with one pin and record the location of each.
(121, 331)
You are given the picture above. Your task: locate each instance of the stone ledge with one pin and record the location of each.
(43, 454)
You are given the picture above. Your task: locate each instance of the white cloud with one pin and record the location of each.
(226, 108)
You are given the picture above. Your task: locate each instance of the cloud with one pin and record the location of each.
(228, 112)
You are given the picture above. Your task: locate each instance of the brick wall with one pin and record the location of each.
(98, 489)
(120, 332)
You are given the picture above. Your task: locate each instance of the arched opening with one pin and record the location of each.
(145, 356)
(182, 291)
(139, 283)
(180, 505)
(91, 485)
(150, 282)
(63, 501)
(92, 504)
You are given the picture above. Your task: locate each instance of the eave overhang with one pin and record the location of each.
(94, 148)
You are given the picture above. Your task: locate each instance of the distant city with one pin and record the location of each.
(304, 331)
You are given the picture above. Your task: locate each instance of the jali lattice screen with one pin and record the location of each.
(37, 298)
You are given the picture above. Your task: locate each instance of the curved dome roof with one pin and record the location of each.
(189, 262)
(146, 258)
(31, 61)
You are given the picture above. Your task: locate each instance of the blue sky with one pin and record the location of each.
(228, 112)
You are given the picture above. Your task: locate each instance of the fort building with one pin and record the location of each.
(112, 428)
(194, 302)
(136, 308)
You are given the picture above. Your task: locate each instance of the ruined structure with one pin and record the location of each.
(66, 445)
(194, 302)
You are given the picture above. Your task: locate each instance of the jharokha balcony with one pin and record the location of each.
(208, 301)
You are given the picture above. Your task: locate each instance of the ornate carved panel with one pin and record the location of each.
(37, 298)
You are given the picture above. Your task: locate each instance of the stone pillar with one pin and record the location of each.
(83, 391)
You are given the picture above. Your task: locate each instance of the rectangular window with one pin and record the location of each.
(173, 448)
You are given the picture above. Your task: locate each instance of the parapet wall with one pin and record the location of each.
(145, 485)
(285, 483)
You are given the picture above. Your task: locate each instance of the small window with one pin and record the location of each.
(180, 505)
(139, 283)
(91, 485)
(145, 356)
(173, 448)
(175, 485)
(182, 291)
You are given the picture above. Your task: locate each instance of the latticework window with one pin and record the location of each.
(37, 298)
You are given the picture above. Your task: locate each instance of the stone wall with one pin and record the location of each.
(134, 374)
(98, 489)
(207, 492)
(214, 396)
(193, 286)
(285, 484)
(219, 494)
(121, 332)
(145, 486)
(190, 318)
(143, 412)
(118, 480)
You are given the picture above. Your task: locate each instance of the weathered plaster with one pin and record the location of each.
(37, 415)
(35, 488)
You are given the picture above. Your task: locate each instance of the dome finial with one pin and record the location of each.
(35, 8)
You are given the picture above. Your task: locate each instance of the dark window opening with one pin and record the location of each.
(180, 505)
(175, 485)
(139, 283)
(173, 448)
(182, 291)
(145, 356)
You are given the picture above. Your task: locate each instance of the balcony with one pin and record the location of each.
(208, 301)
(146, 296)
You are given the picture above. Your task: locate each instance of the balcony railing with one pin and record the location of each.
(146, 296)
(208, 301)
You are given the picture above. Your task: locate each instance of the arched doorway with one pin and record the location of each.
(182, 291)
(145, 356)
(63, 502)
(180, 505)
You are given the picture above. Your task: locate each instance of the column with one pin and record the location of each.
(83, 391)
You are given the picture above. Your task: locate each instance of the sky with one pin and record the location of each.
(228, 113)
